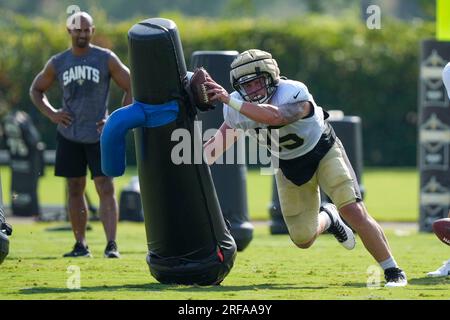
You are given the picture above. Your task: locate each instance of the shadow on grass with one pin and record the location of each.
(429, 281)
(64, 228)
(143, 253)
(20, 259)
(425, 281)
(163, 287)
(355, 285)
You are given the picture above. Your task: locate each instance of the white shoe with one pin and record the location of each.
(443, 271)
(338, 228)
(395, 277)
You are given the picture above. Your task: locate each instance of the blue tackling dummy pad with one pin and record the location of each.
(138, 114)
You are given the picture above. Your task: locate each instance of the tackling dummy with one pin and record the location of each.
(187, 238)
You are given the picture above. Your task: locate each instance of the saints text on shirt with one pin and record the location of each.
(81, 73)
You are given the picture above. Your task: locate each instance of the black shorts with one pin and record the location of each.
(72, 158)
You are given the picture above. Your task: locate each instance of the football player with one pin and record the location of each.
(445, 269)
(310, 156)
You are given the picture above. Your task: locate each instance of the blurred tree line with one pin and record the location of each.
(275, 9)
(369, 73)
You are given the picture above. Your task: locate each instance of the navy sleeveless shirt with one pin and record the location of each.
(85, 83)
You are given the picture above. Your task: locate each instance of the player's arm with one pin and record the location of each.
(222, 140)
(262, 113)
(121, 76)
(273, 115)
(41, 83)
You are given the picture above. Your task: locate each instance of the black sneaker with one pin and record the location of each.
(6, 228)
(79, 250)
(111, 250)
(343, 234)
(395, 277)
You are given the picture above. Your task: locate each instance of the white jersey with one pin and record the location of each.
(295, 139)
(446, 78)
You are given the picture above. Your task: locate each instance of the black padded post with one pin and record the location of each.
(349, 131)
(26, 159)
(229, 179)
(4, 231)
(130, 204)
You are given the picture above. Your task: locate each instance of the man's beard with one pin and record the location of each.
(82, 43)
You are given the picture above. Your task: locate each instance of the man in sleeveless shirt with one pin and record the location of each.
(83, 72)
(310, 155)
(444, 270)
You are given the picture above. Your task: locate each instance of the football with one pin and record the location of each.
(198, 89)
(441, 228)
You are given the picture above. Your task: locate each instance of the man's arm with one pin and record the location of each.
(121, 76)
(264, 113)
(222, 140)
(41, 83)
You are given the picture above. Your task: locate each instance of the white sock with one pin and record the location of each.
(388, 263)
(327, 219)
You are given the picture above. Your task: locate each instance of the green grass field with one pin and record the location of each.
(270, 268)
(391, 194)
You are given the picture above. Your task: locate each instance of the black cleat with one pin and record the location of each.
(79, 250)
(111, 250)
(6, 228)
(343, 234)
(395, 277)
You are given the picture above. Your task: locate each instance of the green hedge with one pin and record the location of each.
(369, 73)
